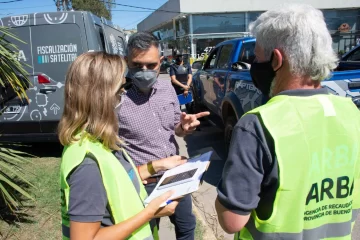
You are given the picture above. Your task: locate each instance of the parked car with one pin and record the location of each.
(52, 41)
(350, 60)
(224, 86)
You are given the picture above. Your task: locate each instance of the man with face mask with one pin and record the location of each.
(294, 159)
(149, 119)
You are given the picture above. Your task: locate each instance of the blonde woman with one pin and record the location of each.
(101, 190)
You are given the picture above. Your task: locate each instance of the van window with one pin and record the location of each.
(100, 37)
(114, 39)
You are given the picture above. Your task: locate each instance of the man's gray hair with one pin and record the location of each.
(301, 33)
(141, 41)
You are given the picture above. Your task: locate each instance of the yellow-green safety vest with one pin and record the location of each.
(123, 199)
(317, 142)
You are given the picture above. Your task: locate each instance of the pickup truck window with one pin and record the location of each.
(355, 56)
(210, 63)
(247, 53)
(223, 62)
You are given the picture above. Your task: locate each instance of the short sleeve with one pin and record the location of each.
(172, 70)
(189, 69)
(87, 200)
(243, 173)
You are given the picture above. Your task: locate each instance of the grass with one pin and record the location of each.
(199, 230)
(39, 219)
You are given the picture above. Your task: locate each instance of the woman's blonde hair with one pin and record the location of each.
(92, 85)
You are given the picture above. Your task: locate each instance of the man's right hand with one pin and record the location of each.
(168, 163)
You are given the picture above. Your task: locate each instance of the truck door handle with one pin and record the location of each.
(47, 90)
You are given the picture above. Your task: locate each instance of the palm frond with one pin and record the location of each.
(12, 72)
(13, 76)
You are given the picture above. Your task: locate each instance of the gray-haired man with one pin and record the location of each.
(150, 118)
(283, 167)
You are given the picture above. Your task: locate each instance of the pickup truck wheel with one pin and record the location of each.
(229, 127)
(195, 105)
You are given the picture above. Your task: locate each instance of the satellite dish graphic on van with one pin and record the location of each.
(55, 20)
(19, 20)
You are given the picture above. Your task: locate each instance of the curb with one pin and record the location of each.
(208, 232)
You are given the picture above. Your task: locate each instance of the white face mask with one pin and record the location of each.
(122, 98)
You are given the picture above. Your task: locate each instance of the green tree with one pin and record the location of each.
(98, 7)
(13, 81)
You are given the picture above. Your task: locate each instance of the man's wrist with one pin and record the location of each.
(151, 168)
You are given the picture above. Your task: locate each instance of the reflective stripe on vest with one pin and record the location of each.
(317, 146)
(330, 230)
(66, 233)
(123, 199)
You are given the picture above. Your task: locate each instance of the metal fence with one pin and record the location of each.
(344, 42)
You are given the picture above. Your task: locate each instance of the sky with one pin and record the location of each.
(126, 18)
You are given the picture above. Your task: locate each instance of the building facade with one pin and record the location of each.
(194, 27)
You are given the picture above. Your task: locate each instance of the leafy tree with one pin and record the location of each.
(13, 81)
(98, 7)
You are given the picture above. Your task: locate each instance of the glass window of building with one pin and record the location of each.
(342, 20)
(252, 16)
(165, 32)
(224, 57)
(219, 23)
(182, 26)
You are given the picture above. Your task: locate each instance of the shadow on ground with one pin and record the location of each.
(20, 214)
(209, 138)
(43, 149)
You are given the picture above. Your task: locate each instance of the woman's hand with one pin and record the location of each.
(168, 163)
(154, 209)
(186, 93)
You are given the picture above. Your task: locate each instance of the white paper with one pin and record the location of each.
(199, 162)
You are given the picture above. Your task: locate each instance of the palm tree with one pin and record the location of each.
(13, 79)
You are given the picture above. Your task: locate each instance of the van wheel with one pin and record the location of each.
(168, 70)
(229, 127)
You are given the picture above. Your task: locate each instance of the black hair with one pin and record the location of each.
(179, 59)
(141, 41)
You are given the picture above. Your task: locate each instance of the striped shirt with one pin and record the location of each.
(147, 122)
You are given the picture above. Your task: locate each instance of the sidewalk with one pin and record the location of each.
(203, 201)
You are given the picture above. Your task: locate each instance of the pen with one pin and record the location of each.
(168, 202)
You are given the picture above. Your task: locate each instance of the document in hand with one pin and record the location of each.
(185, 100)
(183, 179)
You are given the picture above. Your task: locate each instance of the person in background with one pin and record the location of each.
(181, 78)
(293, 169)
(101, 191)
(150, 118)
